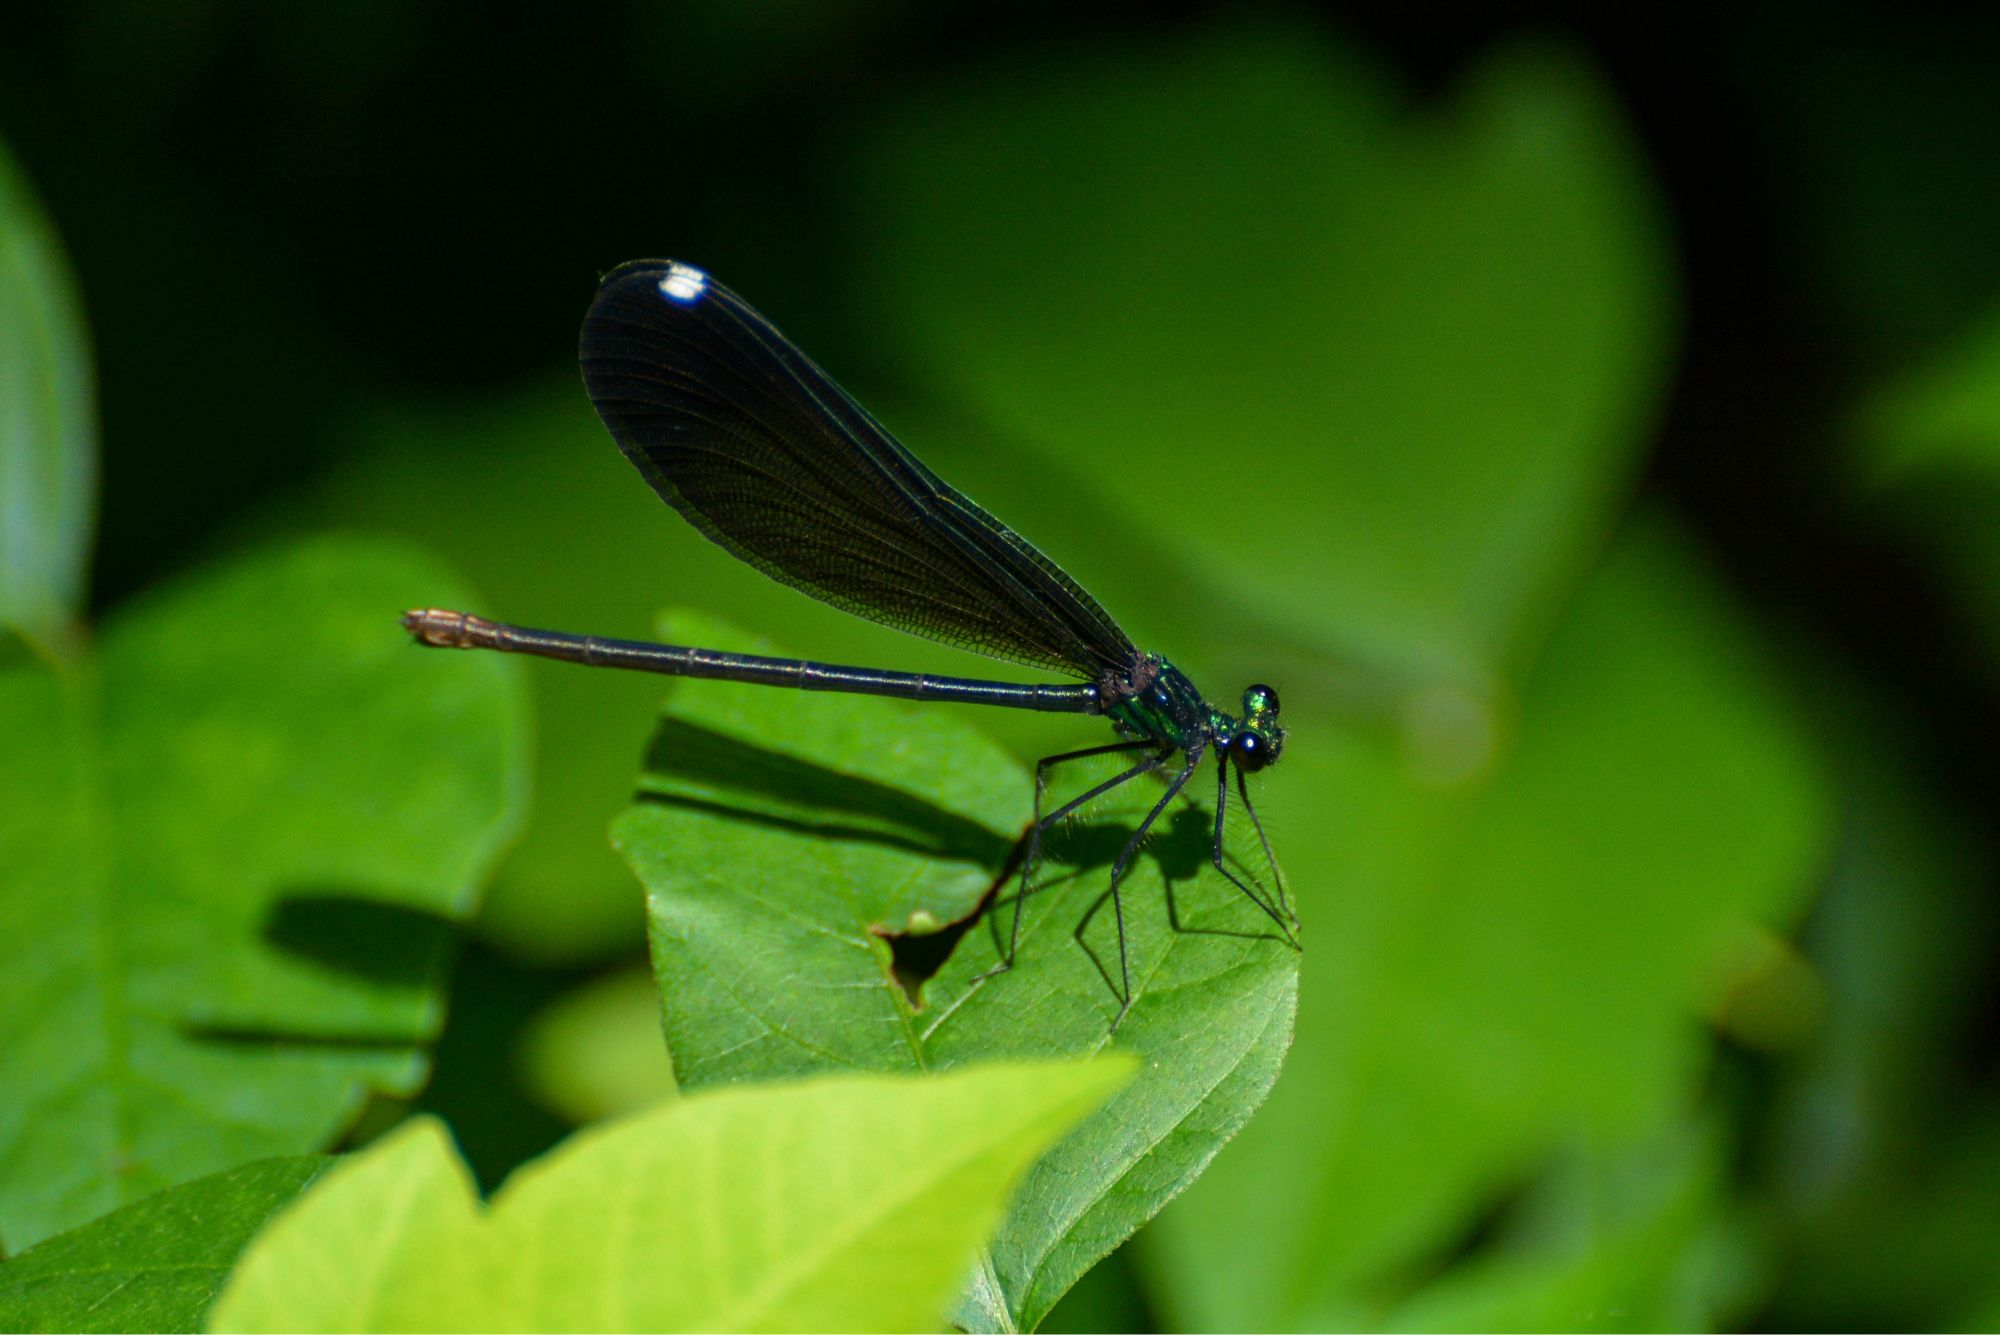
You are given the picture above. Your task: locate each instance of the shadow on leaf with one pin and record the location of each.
(391, 948)
(387, 945)
(760, 786)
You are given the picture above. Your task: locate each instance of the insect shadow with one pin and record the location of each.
(782, 792)
(1182, 851)
(777, 790)
(390, 949)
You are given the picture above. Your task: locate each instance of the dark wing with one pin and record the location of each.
(761, 451)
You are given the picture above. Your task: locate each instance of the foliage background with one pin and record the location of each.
(1591, 430)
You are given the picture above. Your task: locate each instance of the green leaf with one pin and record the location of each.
(544, 496)
(597, 1051)
(845, 1203)
(236, 840)
(1940, 419)
(1638, 1239)
(154, 1265)
(1261, 308)
(536, 463)
(779, 835)
(1872, 1132)
(1520, 955)
(48, 422)
(387, 1243)
(1927, 462)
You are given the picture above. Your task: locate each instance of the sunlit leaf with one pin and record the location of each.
(845, 1203)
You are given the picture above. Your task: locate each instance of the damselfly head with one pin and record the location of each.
(1260, 739)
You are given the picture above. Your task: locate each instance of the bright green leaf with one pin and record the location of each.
(1379, 374)
(845, 1203)
(154, 1265)
(779, 835)
(48, 422)
(236, 840)
(386, 1243)
(1512, 958)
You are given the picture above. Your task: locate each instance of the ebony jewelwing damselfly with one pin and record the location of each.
(760, 450)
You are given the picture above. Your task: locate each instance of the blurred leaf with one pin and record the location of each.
(1379, 374)
(1636, 1240)
(1876, 1130)
(235, 844)
(846, 1203)
(1941, 417)
(1516, 958)
(387, 1243)
(1981, 1316)
(153, 1265)
(553, 528)
(781, 835)
(598, 1051)
(1914, 1235)
(1927, 446)
(48, 423)
(1896, 936)
(529, 497)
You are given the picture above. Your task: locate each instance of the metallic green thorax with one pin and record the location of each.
(1158, 703)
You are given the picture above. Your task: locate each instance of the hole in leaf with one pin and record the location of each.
(918, 951)
(916, 958)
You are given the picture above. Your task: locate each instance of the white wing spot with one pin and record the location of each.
(683, 284)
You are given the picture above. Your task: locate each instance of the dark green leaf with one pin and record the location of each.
(156, 1264)
(555, 529)
(1940, 419)
(1927, 460)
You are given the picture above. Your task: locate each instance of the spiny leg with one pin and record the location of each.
(1118, 870)
(1221, 865)
(1277, 876)
(1042, 823)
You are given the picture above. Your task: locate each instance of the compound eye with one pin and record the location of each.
(1252, 751)
(1260, 699)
